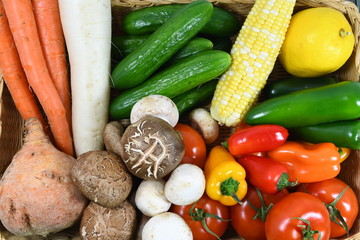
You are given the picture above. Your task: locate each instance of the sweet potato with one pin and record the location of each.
(37, 196)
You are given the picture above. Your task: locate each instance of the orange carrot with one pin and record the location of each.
(14, 76)
(52, 41)
(23, 27)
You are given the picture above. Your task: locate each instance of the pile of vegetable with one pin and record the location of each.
(149, 161)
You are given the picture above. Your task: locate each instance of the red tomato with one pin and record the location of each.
(296, 213)
(195, 147)
(327, 191)
(209, 206)
(242, 216)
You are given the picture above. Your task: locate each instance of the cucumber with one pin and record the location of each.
(146, 20)
(195, 97)
(124, 45)
(187, 74)
(161, 45)
(194, 46)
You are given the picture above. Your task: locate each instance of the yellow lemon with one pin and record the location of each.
(318, 41)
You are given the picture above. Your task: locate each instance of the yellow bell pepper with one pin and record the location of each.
(225, 177)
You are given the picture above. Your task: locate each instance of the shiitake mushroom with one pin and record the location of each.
(151, 148)
(112, 135)
(101, 223)
(102, 177)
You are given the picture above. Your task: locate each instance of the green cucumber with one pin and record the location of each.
(194, 46)
(187, 74)
(161, 45)
(124, 45)
(195, 97)
(223, 23)
(149, 19)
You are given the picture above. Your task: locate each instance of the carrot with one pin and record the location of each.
(23, 27)
(47, 17)
(14, 75)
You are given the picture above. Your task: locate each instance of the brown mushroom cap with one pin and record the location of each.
(151, 148)
(102, 177)
(112, 135)
(108, 223)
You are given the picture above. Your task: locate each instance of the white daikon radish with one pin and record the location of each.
(87, 31)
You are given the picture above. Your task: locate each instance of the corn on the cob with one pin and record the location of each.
(253, 57)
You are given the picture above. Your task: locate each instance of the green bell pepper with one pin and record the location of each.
(284, 86)
(341, 133)
(334, 102)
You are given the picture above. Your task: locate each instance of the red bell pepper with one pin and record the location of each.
(260, 138)
(266, 174)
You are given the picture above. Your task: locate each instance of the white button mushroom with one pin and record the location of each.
(166, 226)
(150, 197)
(186, 184)
(155, 105)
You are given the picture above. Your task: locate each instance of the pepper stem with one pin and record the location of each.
(229, 187)
(307, 233)
(199, 214)
(225, 145)
(335, 214)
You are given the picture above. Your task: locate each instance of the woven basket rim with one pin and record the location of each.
(347, 7)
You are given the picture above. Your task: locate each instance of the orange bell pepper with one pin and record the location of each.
(308, 162)
(225, 177)
(344, 153)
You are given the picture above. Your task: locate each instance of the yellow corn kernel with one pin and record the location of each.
(253, 57)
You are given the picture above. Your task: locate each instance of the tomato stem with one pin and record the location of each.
(284, 182)
(262, 211)
(199, 214)
(335, 214)
(307, 233)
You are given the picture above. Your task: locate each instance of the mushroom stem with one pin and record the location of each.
(205, 124)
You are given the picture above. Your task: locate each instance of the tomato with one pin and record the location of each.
(205, 205)
(242, 216)
(327, 191)
(297, 215)
(195, 147)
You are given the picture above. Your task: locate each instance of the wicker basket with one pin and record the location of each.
(11, 124)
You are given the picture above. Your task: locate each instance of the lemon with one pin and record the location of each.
(318, 41)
